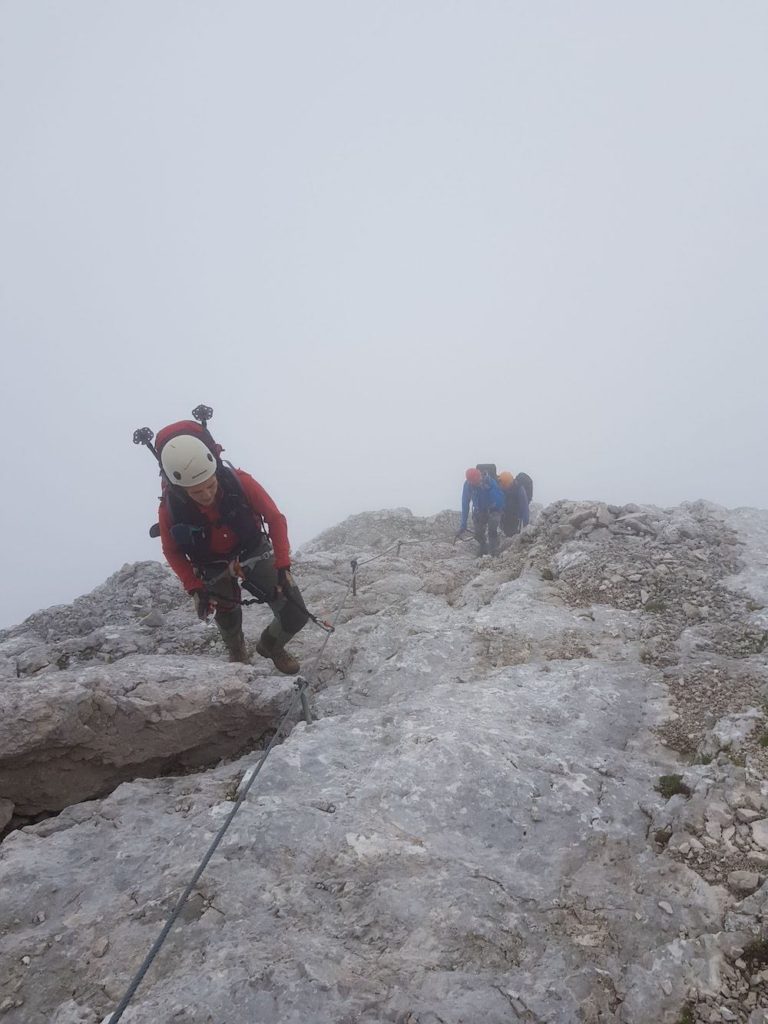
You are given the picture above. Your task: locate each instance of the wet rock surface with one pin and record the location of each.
(536, 790)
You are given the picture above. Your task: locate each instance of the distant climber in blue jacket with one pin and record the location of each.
(487, 500)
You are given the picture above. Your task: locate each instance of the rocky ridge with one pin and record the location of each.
(536, 789)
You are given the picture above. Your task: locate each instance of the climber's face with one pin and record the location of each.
(204, 494)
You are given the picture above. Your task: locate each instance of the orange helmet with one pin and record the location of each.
(506, 480)
(474, 477)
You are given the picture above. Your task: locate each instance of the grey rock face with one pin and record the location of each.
(474, 828)
(6, 812)
(86, 731)
(123, 683)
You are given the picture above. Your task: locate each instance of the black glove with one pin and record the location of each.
(202, 602)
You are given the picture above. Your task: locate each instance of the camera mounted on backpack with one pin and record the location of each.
(145, 436)
(203, 413)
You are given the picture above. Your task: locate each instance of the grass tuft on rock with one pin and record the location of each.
(662, 836)
(671, 785)
(687, 1015)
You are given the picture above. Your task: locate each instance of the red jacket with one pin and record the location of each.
(222, 538)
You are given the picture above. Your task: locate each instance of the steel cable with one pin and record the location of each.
(302, 685)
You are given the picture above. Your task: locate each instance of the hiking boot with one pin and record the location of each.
(265, 645)
(237, 650)
(285, 662)
(282, 660)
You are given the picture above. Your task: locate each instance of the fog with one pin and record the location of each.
(385, 241)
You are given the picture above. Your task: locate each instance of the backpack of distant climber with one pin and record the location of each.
(527, 484)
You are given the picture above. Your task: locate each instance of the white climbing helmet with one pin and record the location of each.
(187, 461)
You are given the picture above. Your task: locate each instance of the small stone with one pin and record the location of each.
(604, 516)
(33, 660)
(713, 830)
(40, 918)
(760, 860)
(760, 833)
(666, 907)
(644, 595)
(666, 987)
(718, 811)
(100, 946)
(747, 814)
(726, 1014)
(26, 960)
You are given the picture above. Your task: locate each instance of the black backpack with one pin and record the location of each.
(526, 483)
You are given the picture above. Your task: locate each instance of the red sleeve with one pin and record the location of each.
(278, 528)
(175, 557)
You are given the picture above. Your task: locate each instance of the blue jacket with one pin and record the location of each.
(483, 498)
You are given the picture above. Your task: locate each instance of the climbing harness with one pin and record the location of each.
(238, 570)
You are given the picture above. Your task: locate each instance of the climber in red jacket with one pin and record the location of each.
(213, 516)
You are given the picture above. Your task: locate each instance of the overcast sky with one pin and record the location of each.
(385, 241)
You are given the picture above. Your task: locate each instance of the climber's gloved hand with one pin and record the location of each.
(203, 604)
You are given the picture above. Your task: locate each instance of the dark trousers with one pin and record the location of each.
(486, 527)
(510, 522)
(290, 614)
